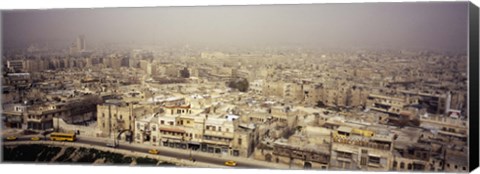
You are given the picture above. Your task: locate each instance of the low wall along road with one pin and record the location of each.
(179, 162)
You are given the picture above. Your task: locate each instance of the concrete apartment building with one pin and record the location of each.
(39, 116)
(361, 149)
(178, 126)
(116, 116)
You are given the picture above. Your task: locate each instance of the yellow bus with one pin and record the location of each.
(57, 136)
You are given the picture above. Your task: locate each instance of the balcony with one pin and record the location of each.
(177, 137)
(344, 159)
(361, 142)
(218, 134)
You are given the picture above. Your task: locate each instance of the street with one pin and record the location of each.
(174, 153)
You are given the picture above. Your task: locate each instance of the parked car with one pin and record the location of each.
(153, 151)
(231, 163)
(11, 138)
(112, 144)
(35, 138)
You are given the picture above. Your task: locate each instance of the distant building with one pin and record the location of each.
(81, 45)
(16, 65)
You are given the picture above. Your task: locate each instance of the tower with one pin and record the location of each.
(81, 43)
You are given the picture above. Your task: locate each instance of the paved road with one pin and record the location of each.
(174, 153)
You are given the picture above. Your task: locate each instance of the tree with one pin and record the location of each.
(320, 104)
(185, 73)
(240, 84)
(415, 122)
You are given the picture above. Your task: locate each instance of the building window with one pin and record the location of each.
(154, 139)
(220, 129)
(402, 165)
(162, 122)
(239, 141)
(103, 115)
(188, 122)
(363, 161)
(374, 160)
(154, 128)
(103, 125)
(409, 166)
(121, 117)
(344, 155)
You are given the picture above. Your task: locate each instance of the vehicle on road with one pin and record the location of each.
(57, 136)
(112, 144)
(231, 163)
(35, 138)
(11, 138)
(153, 151)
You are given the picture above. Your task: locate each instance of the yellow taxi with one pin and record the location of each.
(35, 138)
(231, 163)
(153, 151)
(11, 138)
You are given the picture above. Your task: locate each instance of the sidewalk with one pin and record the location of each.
(241, 160)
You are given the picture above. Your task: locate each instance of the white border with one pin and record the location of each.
(49, 4)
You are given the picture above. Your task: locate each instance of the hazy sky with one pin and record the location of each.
(397, 25)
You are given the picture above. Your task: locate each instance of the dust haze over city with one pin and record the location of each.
(439, 26)
(371, 86)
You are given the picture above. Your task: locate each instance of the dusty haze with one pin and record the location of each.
(437, 26)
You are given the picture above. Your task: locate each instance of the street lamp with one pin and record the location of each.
(190, 150)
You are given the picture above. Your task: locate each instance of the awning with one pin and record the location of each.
(344, 150)
(172, 130)
(374, 155)
(195, 143)
(344, 129)
(172, 141)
